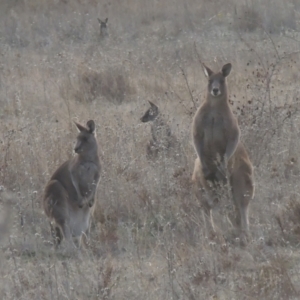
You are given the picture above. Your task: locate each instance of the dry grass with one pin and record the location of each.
(148, 238)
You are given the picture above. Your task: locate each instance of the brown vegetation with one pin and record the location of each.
(148, 238)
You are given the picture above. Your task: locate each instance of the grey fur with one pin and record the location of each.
(162, 139)
(103, 27)
(221, 155)
(69, 197)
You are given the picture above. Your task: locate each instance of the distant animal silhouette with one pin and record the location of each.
(69, 197)
(162, 139)
(216, 138)
(103, 27)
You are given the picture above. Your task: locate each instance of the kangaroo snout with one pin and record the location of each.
(215, 91)
(77, 148)
(215, 88)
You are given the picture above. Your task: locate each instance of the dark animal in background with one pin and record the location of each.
(162, 139)
(103, 27)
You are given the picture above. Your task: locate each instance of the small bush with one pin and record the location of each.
(272, 16)
(248, 19)
(111, 84)
(288, 218)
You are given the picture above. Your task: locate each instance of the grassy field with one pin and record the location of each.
(148, 238)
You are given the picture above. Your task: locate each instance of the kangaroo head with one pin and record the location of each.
(217, 81)
(103, 25)
(86, 139)
(151, 113)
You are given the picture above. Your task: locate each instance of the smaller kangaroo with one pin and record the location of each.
(216, 137)
(162, 138)
(69, 196)
(103, 27)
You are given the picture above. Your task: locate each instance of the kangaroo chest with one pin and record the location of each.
(86, 178)
(215, 133)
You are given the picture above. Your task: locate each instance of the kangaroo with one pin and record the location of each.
(162, 138)
(69, 196)
(103, 27)
(221, 154)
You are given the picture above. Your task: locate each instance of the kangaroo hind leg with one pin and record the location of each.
(242, 192)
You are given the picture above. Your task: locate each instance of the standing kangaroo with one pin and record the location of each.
(70, 194)
(216, 137)
(103, 27)
(162, 138)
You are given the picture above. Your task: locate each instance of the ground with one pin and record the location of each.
(148, 237)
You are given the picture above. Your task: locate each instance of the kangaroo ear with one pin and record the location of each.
(106, 20)
(207, 71)
(91, 126)
(79, 127)
(152, 104)
(226, 69)
(99, 20)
